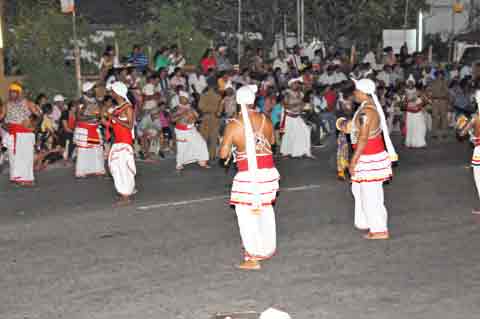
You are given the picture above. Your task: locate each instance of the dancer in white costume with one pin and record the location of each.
(370, 165)
(21, 139)
(473, 126)
(416, 124)
(191, 147)
(255, 186)
(121, 159)
(296, 141)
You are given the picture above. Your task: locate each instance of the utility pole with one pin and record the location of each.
(2, 59)
(302, 25)
(298, 21)
(405, 21)
(239, 36)
(78, 70)
(452, 31)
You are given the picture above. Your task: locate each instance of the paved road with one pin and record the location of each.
(65, 253)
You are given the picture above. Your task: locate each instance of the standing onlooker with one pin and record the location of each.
(223, 62)
(210, 106)
(138, 58)
(161, 60)
(208, 61)
(108, 61)
(176, 58)
(281, 62)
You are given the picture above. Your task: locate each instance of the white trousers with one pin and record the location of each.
(370, 211)
(476, 176)
(21, 157)
(296, 141)
(122, 167)
(258, 232)
(90, 161)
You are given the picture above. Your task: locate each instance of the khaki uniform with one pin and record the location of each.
(440, 106)
(210, 105)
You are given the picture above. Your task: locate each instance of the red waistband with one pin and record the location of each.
(183, 127)
(17, 128)
(263, 161)
(374, 146)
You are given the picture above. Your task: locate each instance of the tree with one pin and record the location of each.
(40, 35)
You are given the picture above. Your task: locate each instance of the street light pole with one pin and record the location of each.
(78, 71)
(405, 21)
(2, 60)
(239, 36)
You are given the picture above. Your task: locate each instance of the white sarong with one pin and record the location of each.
(21, 157)
(257, 229)
(416, 130)
(296, 141)
(90, 161)
(191, 147)
(121, 162)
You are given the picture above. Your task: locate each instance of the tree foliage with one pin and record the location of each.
(327, 20)
(39, 35)
(160, 23)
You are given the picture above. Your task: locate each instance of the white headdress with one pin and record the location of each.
(411, 79)
(184, 94)
(367, 86)
(246, 96)
(121, 89)
(294, 80)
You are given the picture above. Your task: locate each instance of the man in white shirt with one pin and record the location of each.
(331, 77)
(465, 71)
(386, 76)
(197, 82)
(295, 59)
(281, 62)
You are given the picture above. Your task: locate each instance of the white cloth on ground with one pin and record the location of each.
(122, 166)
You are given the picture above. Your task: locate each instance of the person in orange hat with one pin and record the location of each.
(17, 114)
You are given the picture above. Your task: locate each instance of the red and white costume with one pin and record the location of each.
(373, 168)
(121, 160)
(254, 190)
(89, 143)
(415, 121)
(20, 143)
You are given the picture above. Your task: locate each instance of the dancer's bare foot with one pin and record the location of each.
(203, 164)
(377, 236)
(476, 211)
(122, 201)
(250, 265)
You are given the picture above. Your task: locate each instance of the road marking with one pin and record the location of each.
(214, 198)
